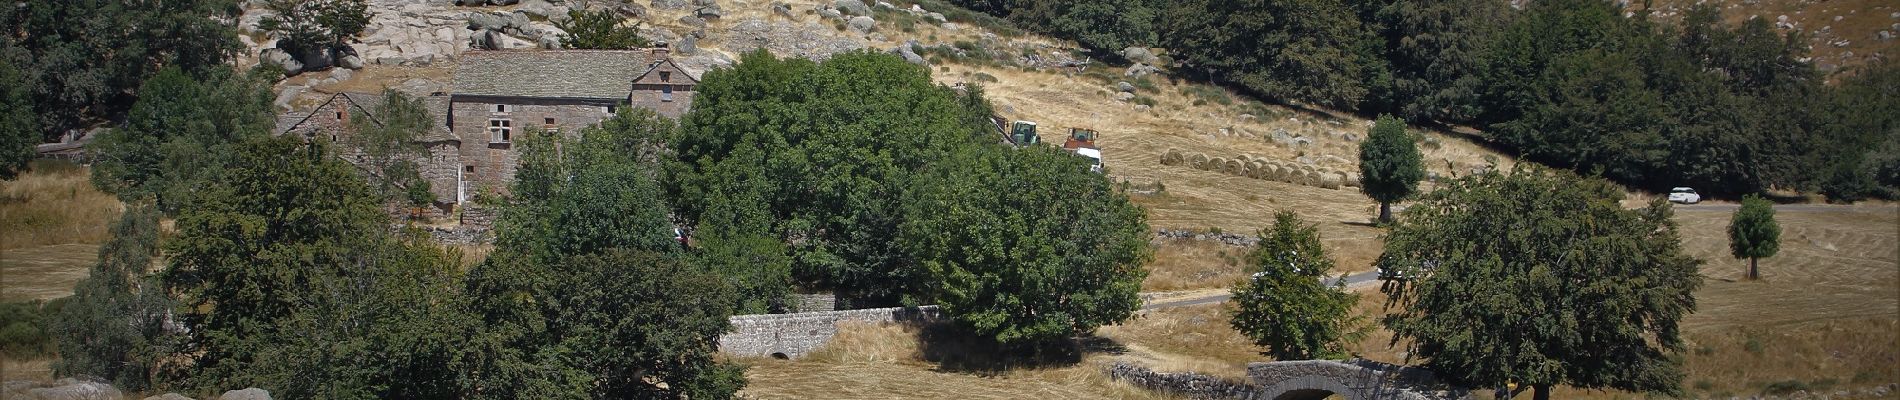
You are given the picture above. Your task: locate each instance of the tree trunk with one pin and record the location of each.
(1540, 392)
(1753, 274)
(1385, 212)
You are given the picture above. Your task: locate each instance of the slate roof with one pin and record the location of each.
(586, 74)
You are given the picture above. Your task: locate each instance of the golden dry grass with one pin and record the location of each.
(1197, 338)
(37, 370)
(54, 203)
(885, 361)
(1193, 264)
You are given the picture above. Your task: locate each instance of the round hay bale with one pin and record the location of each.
(1309, 177)
(1171, 157)
(1352, 180)
(1244, 158)
(1215, 164)
(1276, 172)
(1234, 167)
(1331, 180)
(1256, 168)
(1197, 161)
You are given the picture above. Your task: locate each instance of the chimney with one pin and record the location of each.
(660, 51)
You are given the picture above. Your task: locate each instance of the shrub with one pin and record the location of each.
(983, 77)
(23, 333)
(1145, 100)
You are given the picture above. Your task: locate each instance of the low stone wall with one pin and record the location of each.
(816, 302)
(1225, 238)
(794, 335)
(1188, 384)
(475, 215)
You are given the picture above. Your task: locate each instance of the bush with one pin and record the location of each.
(1145, 100)
(23, 333)
(982, 77)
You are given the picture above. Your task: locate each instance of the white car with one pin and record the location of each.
(1684, 195)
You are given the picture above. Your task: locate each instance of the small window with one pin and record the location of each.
(500, 130)
(607, 109)
(666, 93)
(468, 168)
(339, 115)
(666, 76)
(502, 108)
(550, 120)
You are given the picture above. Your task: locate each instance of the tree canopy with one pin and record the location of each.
(1389, 165)
(1541, 278)
(1753, 233)
(1286, 305)
(598, 29)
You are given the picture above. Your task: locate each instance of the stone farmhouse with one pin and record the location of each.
(496, 95)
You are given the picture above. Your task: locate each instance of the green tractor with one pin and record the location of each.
(1023, 133)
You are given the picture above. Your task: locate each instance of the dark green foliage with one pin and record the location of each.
(302, 26)
(290, 281)
(388, 146)
(1539, 277)
(1753, 233)
(1434, 49)
(1285, 306)
(17, 124)
(1389, 165)
(1025, 246)
(587, 295)
(180, 133)
(25, 328)
(82, 59)
(113, 327)
(735, 241)
(1300, 50)
(828, 146)
(599, 29)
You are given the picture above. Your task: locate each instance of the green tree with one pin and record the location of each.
(83, 59)
(1434, 49)
(1304, 50)
(1025, 247)
(305, 26)
(389, 146)
(1541, 278)
(587, 295)
(18, 133)
(1389, 165)
(113, 327)
(599, 29)
(182, 131)
(1285, 305)
(1753, 233)
(835, 143)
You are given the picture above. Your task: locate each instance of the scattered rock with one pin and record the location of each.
(782, 9)
(1139, 55)
(280, 58)
(1350, 137)
(862, 24)
(169, 396)
(830, 13)
(286, 95)
(935, 18)
(1124, 96)
(1138, 70)
(341, 74)
(246, 394)
(669, 4)
(909, 55)
(347, 57)
(687, 46)
(503, 2)
(317, 60)
(693, 21)
(1125, 86)
(63, 389)
(886, 5)
(708, 12)
(539, 8)
(852, 7)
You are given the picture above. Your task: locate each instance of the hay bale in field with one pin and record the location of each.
(1197, 161)
(1233, 167)
(1256, 168)
(1309, 177)
(1244, 158)
(1352, 180)
(1275, 172)
(1331, 180)
(1215, 164)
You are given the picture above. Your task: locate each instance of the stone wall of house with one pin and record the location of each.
(649, 91)
(794, 335)
(478, 215)
(439, 168)
(489, 164)
(816, 302)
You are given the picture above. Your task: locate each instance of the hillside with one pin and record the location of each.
(1839, 35)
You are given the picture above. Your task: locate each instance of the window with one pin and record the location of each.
(550, 120)
(468, 169)
(666, 76)
(502, 108)
(666, 93)
(500, 130)
(607, 109)
(339, 115)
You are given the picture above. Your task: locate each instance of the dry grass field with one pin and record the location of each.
(51, 223)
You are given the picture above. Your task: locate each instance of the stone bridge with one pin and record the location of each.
(1298, 380)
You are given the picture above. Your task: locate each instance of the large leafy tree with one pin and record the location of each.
(303, 26)
(1540, 278)
(1753, 233)
(1286, 305)
(182, 131)
(1025, 246)
(18, 133)
(83, 59)
(1304, 50)
(1389, 165)
(290, 281)
(835, 144)
(1434, 49)
(114, 325)
(587, 295)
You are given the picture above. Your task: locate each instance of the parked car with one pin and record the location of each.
(1684, 195)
